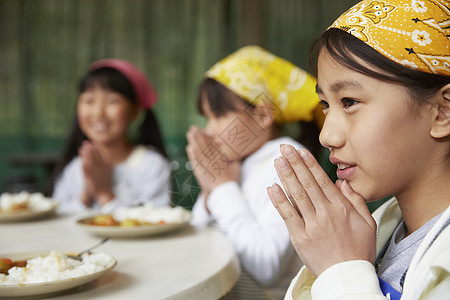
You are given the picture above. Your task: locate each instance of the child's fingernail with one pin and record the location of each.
(282, 163)
(304, 153)
(275, 188)
(347, 186)
(287, 150)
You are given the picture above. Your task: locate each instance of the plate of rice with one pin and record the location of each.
(25, 206)
(136, 221)
(46, 272)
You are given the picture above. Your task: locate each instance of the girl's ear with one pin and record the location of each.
(263, 114)
(441, 118)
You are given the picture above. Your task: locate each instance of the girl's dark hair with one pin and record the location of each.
(345, 49)
(110, 79)
(222, 100)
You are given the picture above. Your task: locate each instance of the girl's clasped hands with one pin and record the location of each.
(211, 166)
(323, 218)
(97, 172)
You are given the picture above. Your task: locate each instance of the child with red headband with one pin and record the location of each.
(102, 167)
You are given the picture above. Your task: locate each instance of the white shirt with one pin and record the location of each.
(428, 275)
(143, 177)
(245, 213)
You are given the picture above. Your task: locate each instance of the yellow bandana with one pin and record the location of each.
(414, 33)
(256, 75)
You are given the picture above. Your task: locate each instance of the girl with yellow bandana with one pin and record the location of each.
(246, 97)
(383, 77)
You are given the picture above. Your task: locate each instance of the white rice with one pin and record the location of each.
(32, 201)
(149, 213)
(56, 266)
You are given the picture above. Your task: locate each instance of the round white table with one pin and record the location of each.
(190, 263)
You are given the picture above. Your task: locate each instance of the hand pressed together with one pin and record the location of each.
(328, 223)
(211, 166)
(97, 174)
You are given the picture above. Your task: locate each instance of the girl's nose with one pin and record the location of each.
(332, 134)
(98, 109)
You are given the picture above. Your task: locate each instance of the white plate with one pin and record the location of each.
(128, 232)
(34, 289)
(26, 215)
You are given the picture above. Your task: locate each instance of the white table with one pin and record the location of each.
(191, 263)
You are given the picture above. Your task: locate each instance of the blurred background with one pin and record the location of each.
(47, 45)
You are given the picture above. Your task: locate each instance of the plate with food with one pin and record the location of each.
(47, 272)
(25, 206)
(136, 221)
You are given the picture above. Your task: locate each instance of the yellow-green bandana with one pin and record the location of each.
(256, 74)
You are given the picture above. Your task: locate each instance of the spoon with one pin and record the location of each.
(78, 256)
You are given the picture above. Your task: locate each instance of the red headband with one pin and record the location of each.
(145, 94)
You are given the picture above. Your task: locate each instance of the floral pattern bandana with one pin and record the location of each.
(414, 33)
(257, 75)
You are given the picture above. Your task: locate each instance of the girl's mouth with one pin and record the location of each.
(99, 127)
(344, 171)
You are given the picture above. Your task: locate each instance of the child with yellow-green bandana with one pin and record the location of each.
(246, 98)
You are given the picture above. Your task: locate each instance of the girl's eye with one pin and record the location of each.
(347, 102)
(324, 104)
(86, 99)
(113, 100)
